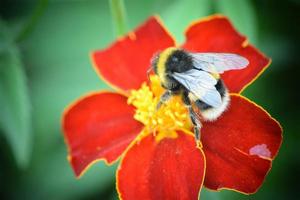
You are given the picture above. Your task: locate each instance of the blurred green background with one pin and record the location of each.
(45, 65)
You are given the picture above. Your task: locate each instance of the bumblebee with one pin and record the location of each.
(196, 77)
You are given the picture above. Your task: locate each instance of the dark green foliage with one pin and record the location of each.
(44, 69)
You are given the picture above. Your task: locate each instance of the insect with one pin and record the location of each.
(196, 77)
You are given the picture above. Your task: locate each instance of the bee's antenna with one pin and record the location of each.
(148, 72)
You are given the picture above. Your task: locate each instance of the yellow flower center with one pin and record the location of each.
(164, 122)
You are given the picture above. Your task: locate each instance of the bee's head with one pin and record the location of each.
(158, 64)
(179, 61)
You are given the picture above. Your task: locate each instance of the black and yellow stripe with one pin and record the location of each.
(161, 63)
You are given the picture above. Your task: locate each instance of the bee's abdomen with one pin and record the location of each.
(220, 86)
(201, 105)
(210, 113)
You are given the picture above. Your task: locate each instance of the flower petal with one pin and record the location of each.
(125, 63)
(98, 126)
(169, 169)
(240, 146)
(216, 34)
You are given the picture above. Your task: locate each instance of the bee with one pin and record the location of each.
(196, 77)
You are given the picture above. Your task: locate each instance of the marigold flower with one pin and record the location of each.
(159, 157)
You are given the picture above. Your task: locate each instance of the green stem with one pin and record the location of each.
(119, 16)
(29, 26)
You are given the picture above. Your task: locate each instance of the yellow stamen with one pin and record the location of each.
(171, 116)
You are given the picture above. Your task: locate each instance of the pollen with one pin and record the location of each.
(165, 121)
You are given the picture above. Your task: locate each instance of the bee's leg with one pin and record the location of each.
(194, 118)
(197, 125)
(164, 97)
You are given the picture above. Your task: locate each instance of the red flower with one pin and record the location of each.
(159, 158)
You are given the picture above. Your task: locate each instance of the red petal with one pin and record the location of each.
(169, 169)
(125, 63)
(98, 126)
(239, 146)
(216, 34)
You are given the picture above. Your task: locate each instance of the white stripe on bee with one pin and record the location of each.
(212, 114)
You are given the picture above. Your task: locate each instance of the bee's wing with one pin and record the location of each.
(201, 84)
(218, 62)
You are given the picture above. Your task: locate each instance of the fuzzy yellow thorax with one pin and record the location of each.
(161, 64)
(172, 115)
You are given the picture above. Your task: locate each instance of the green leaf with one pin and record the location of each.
(15, 115)
(60, 71)
(118, 12)
(242, 14)
(54, 179)
(32, 21)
